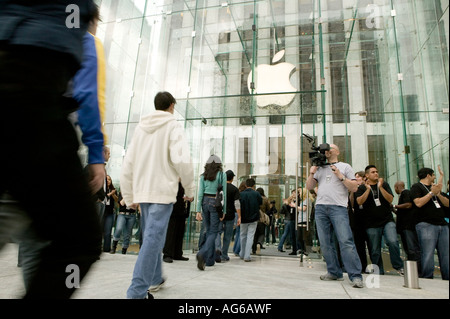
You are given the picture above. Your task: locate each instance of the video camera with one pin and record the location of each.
(317, 156)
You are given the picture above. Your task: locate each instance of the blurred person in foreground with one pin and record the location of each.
(39, 54)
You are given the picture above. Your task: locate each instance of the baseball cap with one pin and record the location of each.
(230, 173)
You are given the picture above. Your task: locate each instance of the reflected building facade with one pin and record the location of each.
(252, 76)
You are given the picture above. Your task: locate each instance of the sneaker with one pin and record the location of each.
(400, 271)
(357, 283)
(200, 262)
(330, 277)
(157, 287)
(149, 296)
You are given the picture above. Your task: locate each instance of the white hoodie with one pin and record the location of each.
(157, 157)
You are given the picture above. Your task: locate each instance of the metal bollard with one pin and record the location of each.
(411, 274)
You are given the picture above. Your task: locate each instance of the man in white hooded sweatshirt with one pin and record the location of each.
(158, 156)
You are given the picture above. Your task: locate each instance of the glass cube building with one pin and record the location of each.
(253, 77)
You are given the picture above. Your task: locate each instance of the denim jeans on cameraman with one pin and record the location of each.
(335, 217)
(389, 233)
(211, 222)
(433, 237)
(124, 225)
(148, 268)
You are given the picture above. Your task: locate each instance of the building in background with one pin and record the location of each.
(371, 76)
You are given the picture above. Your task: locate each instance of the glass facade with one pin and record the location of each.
(252, 76)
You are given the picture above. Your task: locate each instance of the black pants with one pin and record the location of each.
(41, 171)
(411, 247)
(259, 236)
(174, 239)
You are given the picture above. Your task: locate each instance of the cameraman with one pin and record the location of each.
(335, 179)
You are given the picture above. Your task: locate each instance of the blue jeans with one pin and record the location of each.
(148, 270)
(211, 222)
(237, 241)
(333, 217)
(107, 230)
(289, 232)
(433, 237)
(225, 227)
(389, 232)
(247, 234)
(124, 224)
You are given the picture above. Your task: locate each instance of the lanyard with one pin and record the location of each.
(378, 192)
(434, 197)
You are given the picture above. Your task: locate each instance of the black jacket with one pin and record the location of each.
(250, 202)
(46, 24)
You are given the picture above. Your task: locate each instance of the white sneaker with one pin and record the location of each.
(157, 287)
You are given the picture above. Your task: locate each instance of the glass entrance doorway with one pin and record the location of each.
(275, 154)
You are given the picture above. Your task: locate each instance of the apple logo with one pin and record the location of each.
(273, 79)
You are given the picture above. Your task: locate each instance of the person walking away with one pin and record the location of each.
(251, 200)
(237, 235)
(334, 182)
(212, 177)
(233, 208)
(157, 157)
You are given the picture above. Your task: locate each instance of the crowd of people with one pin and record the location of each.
(354, 214)
(358, 224)
(64, 92)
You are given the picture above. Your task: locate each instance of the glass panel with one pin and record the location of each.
(250, 77)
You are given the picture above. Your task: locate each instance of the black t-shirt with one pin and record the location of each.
(405, 217)
(232, 195)
(375, 216)
(428, 213)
